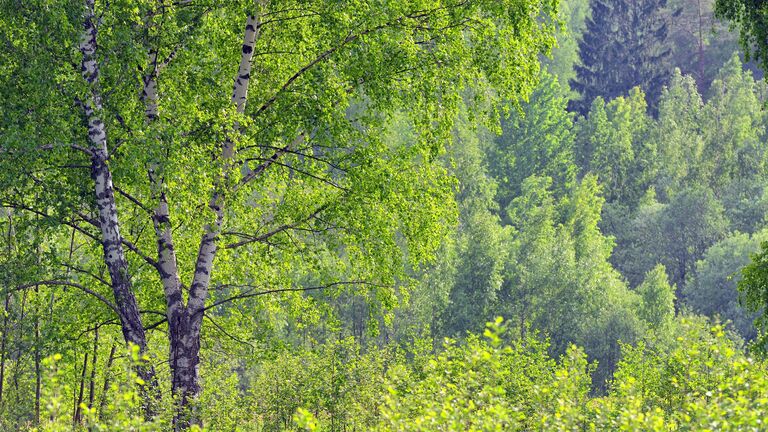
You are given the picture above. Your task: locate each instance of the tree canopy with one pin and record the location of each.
(380, 215)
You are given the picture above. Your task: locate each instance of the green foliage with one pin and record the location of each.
(122, 411)
(695, 378)
(610, 144)
(680, 144)
(675, 234)
(736, 139)
(336, 382)
(398, 217)
(712, 291)
(573, 13)
(697, 367)
(658, 299)
(746, 204)
(318, 193)
(752, 288)
(558, 264)
(750, 18)
(537, 140)
(481, 246)
(705, 224)
(714, 143)
(484, 386)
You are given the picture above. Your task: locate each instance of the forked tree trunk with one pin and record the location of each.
(185, 322)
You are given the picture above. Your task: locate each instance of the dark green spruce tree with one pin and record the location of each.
(624, 46)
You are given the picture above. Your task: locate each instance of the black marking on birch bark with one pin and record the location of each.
(204, 270)
(111, 242)
(247, 49)
(174, 298)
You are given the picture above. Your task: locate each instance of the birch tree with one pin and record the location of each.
(211, 153)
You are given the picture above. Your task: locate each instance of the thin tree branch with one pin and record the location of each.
(225, 333)
(300, 171)
(250, 293)
(349, 39)
(277, 230)
(127, 243)
(73, 285)
(251, 174)
(297, 153)
(70, 224)
(86, 272)
(156, 325)
(132, 199)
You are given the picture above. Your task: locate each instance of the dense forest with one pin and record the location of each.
(389, 215)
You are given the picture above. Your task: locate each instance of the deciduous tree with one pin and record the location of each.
(213, 151)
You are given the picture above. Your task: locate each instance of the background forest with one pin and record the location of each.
(601, 191)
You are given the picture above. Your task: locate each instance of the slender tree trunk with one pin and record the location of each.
(94, 360)
(3, 345)
(167, 266)
(38, 377)
(6, 314)
(107, 374)
(20, 348)
(78, 417)
(185, 322)
(701, 46)
(111, 239)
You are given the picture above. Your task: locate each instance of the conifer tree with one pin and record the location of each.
(624, 46)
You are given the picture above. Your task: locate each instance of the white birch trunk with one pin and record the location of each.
(185, 335)
(109, 226)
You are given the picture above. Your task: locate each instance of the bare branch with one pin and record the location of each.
(73, 285)
(297, 153)
(225, 333)
(156, 325)
(252, 293)
(132, 199)
(71, 224)
(277, 230)
(127, 243)
(300, 171)
(267, 162)
(86, 272)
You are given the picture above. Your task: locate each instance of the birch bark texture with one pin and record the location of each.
(206, 194)
(104, 193)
